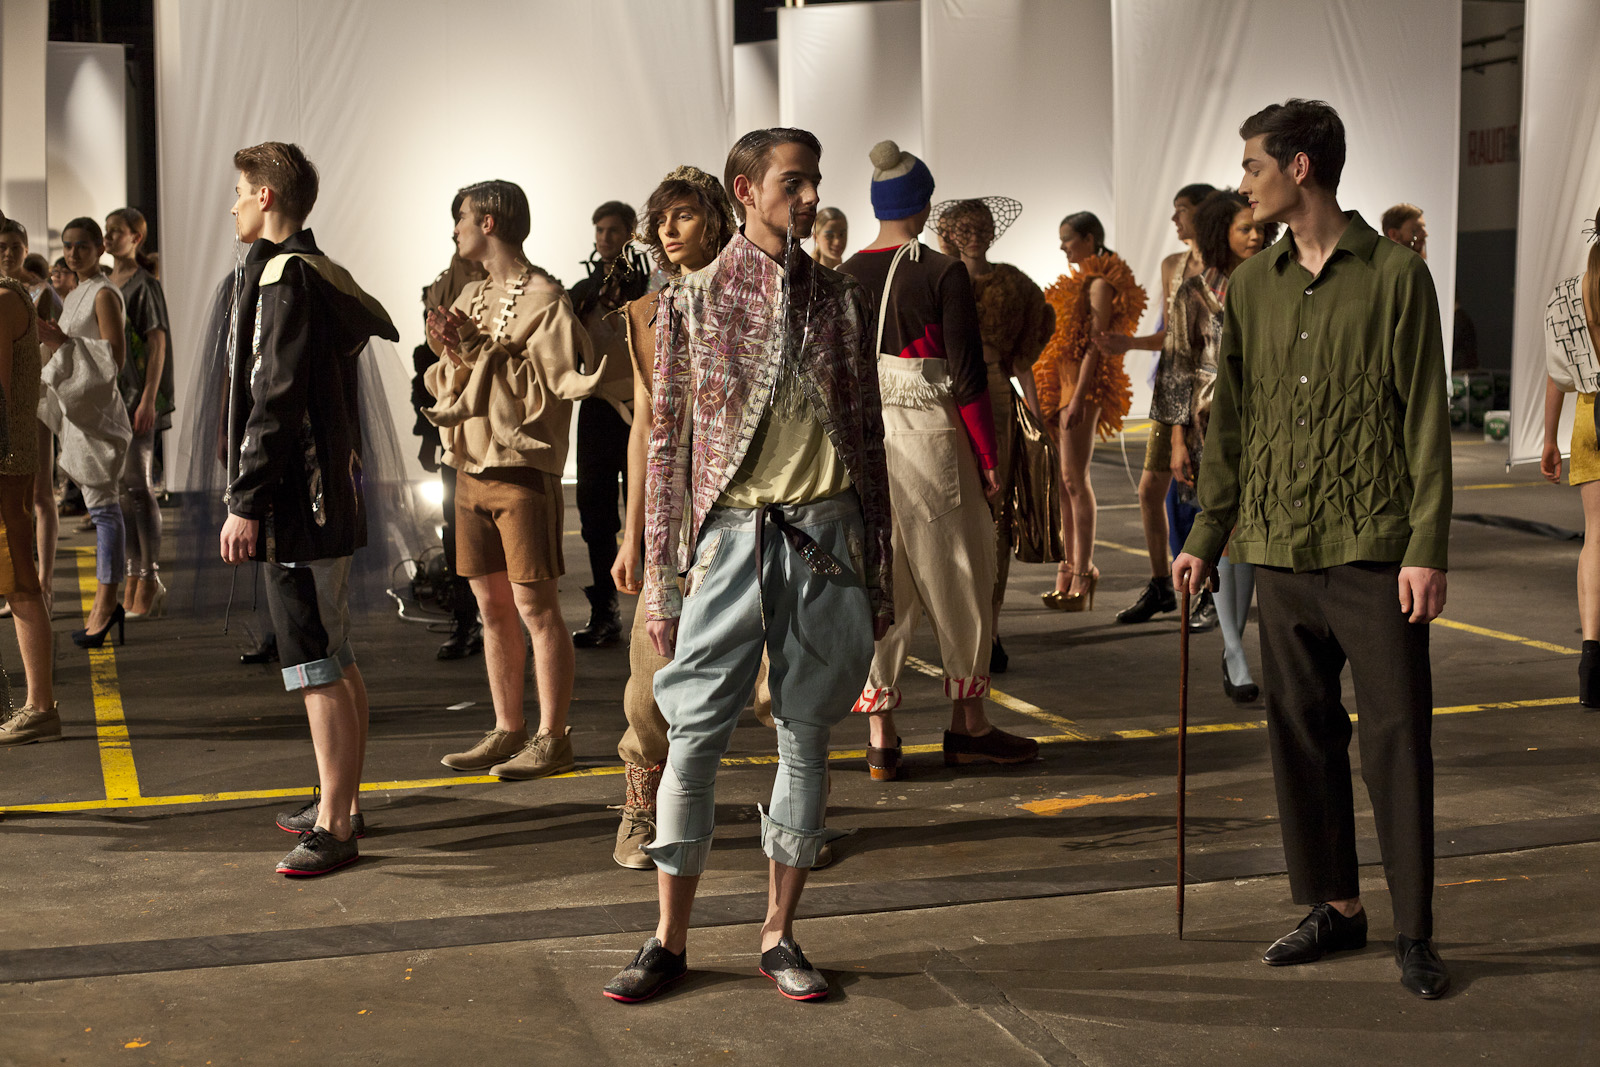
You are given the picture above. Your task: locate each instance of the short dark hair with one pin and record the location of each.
(503, 201)
(618, 209)
(752, 154)
(710, 197)
(88, 225)
(283, 168)
(1309, 126)
(34, 263)
(13, 226)
(1088, 224)
(1195, 192)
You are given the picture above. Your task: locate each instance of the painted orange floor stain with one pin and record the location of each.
(1051, 807)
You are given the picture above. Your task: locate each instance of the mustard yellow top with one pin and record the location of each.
(791, 461)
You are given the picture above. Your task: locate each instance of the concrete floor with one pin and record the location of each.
(1019, 915)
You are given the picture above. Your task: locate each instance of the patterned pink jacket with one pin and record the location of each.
(717, 361)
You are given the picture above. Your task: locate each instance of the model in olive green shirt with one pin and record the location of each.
(1327, 462)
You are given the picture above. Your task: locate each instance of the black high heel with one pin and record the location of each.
(84, 639)
(1248, 693)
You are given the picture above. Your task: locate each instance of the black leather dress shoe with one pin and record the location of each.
(1421, 969)
(465, 640)
(1157, 597)
(265, 652)
(1324, 930)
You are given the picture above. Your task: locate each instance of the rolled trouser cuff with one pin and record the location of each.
(685, 859)
(966, 688)
(319, 671)
(789, 846)
(872, 701)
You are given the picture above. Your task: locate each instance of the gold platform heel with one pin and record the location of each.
(1056, 599)
(1083, 601)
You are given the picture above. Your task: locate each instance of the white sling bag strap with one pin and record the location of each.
(915, 251)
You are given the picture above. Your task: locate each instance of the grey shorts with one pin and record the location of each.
(310, 607)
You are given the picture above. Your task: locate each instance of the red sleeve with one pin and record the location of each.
(978, 416)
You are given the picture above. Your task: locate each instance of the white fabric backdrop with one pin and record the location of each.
(990, 70)
(1560, 189)
(396, 104)
(1188, 72)
(24, 28)
(755, 87)
(86, 127)
(851, 74)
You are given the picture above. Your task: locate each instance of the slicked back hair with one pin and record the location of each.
(1309, 126)
(616, 209)
(751, 155)
(284, 169)
(503, 201)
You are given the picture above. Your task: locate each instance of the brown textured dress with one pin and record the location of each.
(1056, 372)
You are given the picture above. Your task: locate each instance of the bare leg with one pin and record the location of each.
(358, 698)
(46, 521)
(1066, 568)
(1078, 500)
(1589, 563)
(553, 661)
(105, 602)
(784, 886)
(881, 730)
(969, 717)
(33, 638)
(336, 736)
(1153, 513)
(504, 652)
(676, 893)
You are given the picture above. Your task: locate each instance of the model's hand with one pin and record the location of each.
(1113, 344)
(991, 483)
(448, 328)
(238, 539)
(625, 571)
(1422, 591)
(51, 335)
(1550, 462)
(1180, 459)
(1190, 572)
(663, 636)
(144, 417)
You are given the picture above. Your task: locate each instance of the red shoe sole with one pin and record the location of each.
(286, 830)
(791, 996)
(312, 874)
(657, 991)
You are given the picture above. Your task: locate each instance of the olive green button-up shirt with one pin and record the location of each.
(1329, 440)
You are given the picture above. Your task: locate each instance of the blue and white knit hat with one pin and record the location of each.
(901, 183)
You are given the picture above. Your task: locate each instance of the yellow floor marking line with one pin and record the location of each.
(1498, 485)
(1067, 727)
(111, 729)
(1501, 635)
(1113, 546)
(1050, 807)
(1077, 736)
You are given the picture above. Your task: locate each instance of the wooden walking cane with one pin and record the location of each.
(1183, 737)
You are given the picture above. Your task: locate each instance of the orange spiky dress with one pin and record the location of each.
(1056, 371)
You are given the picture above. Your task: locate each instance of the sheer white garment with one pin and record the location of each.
(79, 401)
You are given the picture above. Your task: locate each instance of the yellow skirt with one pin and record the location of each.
(1585, 463)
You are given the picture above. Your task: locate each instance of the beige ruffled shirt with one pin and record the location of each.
(509, 402)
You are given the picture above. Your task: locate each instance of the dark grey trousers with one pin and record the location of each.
(1312, 624)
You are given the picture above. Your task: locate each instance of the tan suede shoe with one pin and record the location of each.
(544, 755)
(638, 826)
(496, 746)
(28, 724)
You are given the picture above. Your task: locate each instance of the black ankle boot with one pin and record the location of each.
(605, 621)
(1589, 676)
(1156, 598)
(465, 640)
